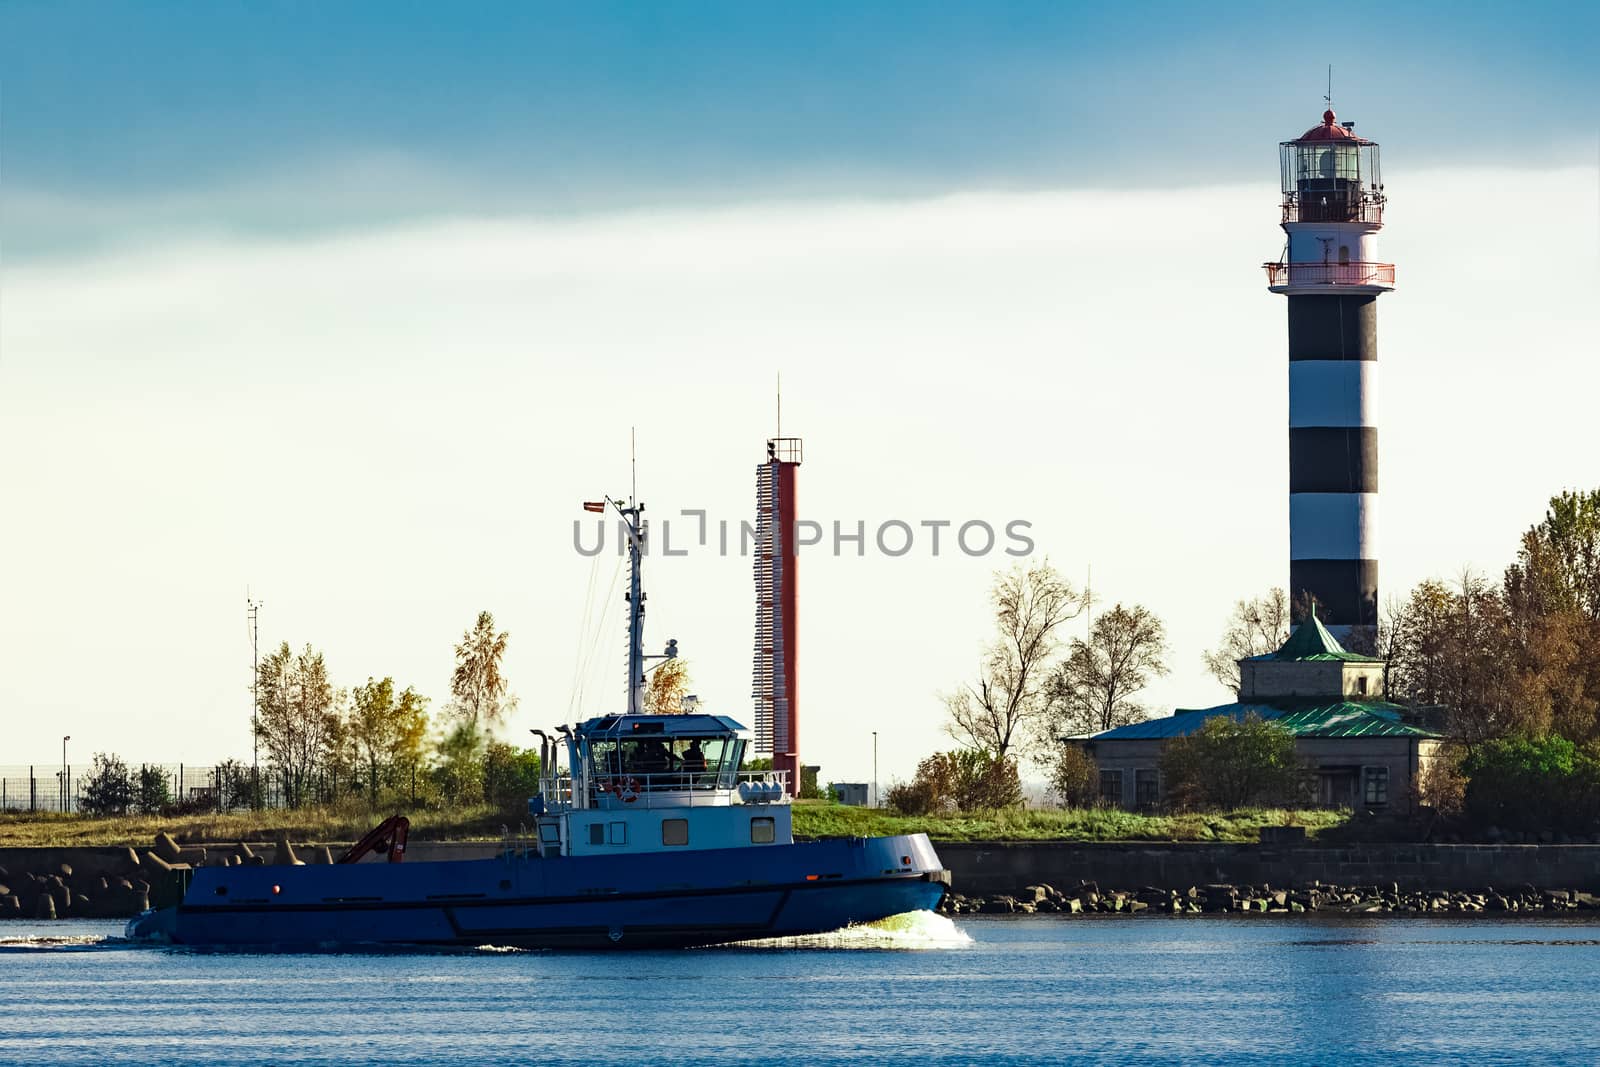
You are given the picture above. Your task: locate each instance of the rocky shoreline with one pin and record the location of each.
(1087, 898)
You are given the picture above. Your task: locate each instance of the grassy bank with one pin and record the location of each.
(832, 820)
(311, 824)
(811, 819)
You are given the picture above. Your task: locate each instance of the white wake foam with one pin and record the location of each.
(909, 930)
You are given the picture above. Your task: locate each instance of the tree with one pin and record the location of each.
(668, 684)
(238, 786)
(1451, 648)
(510, 776)
(1010, 697)
(296, 720)
(478, 686)
(1256, 627)
(1552, 599)
(109, 788)
(1558, 565)
(1233, 763)
(1096, 686)
(410, 741)
(1533, 784)
(374, 728)
(153, 795)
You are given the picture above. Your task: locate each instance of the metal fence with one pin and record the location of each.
(189, 787)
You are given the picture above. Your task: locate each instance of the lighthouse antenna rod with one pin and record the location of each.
(1329, 96)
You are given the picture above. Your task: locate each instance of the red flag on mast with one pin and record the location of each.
(594, 505)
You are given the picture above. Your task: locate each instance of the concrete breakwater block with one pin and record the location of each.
(283, 853)
(167, 848)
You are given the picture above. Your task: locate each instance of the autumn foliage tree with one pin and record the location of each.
(1518, 658)
(386, 729)
(478, 684)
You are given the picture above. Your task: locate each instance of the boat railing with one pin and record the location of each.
(681, 789)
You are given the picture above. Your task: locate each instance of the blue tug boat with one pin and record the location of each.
(650, 837)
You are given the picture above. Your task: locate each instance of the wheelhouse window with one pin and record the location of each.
(655, 763)
(619, 833)
(763, 831)
(1375, 786)
(674, 831)
(597, 833)
(1111, 787)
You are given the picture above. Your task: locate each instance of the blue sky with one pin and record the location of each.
(350, 304)
(521, 107)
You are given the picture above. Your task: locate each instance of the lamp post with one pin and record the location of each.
(64, 772)
(874, 768)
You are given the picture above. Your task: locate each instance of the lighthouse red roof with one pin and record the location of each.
(1330, 130)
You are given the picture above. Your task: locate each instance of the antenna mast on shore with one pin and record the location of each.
(253, 614)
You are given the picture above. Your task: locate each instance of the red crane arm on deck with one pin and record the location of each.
(388, 836)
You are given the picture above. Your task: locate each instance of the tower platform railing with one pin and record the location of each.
(1330, 274)
(786, 449)
(1312, 207)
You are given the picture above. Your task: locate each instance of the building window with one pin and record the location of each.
(1375, 786)
(1361, 685)
(1146, 787)
(762, 831)
(674, 831)
(597, 833)
(619, 833)
(1111, 787)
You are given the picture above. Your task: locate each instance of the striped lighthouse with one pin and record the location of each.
(1332, 212)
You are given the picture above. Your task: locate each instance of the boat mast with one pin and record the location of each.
(633, 515)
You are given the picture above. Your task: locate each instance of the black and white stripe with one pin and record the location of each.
(1333, 455)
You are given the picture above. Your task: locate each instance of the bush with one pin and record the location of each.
(510, 776)
(152, 795)
(963, 780)
(1531, 784)
(1075, 781)
(109, 789)
(1233, 763)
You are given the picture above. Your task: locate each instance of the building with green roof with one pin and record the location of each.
(1366, 752)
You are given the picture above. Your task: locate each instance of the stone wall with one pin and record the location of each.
(1007, 867)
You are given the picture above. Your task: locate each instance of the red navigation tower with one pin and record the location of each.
(777, 610)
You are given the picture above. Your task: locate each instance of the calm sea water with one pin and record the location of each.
(918, 990)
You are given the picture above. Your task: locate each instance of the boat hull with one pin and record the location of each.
(651, 900)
